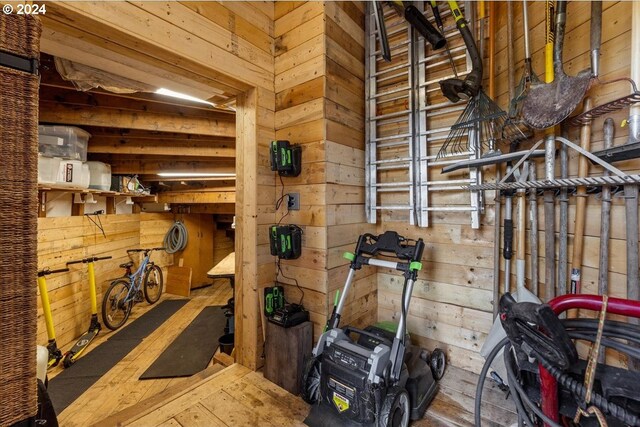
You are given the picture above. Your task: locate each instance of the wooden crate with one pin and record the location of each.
(285, 352)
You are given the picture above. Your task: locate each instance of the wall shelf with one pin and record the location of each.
(78, 207)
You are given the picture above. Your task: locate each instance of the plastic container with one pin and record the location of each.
(67, 142)
(85, 179)
(73, 173)
(100, 176)
(226, 343)
(48, 168)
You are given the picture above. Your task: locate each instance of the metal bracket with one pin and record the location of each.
(19, 63)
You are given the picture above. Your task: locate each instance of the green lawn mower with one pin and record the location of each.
(372, 376)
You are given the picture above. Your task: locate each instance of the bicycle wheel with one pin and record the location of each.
(152, 284)
(115, 306)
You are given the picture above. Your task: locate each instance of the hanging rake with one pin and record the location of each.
(529, 78)
(479, 129)
(609, 107)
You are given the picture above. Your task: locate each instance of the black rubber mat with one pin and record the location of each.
(193, 349)
(75, 380)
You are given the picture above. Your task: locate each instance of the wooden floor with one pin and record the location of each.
(120, 387)
(236, 396)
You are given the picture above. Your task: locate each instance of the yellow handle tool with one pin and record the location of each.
(548, 47)
(92, 289)
(46, 307)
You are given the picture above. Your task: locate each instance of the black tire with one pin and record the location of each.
(115, 311)
(438, 364)
(311, 381)
(396, 409)
(68, 360)
(152, 284)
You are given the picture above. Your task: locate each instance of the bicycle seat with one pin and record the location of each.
(127, 264)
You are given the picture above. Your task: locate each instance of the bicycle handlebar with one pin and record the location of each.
(46, 271)
(145, 250)
(88, 260)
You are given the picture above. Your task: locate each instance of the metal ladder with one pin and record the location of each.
(398, 141)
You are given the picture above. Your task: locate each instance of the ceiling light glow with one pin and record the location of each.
(167, 92)
(195, 175)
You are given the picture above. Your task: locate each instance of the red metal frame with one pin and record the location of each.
(548, 384)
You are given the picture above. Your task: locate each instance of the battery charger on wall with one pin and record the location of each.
(285, 241)
(286, 159)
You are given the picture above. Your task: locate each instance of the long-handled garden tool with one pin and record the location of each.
(563, 234)
(528, 78)
(55, 355)
(605, 225)
(627, 151)
(581, 206)
(522, 294)
(382, 30)
(605, 217)
(420, 23)
(548, 104)
(533, 230)
(440, 25)
(549, 162)
(455, 89)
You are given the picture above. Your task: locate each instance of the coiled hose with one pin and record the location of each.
(566, 381)
(176, 238)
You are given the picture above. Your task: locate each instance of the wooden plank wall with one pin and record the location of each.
(452, 301)
(319, 54)
(222, 245)
(344, 152)
(222, 48)
(68, 238)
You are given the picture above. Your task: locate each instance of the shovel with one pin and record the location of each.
(522, 294)
(548, 104)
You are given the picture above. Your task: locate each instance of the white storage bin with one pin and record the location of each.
(86, 176)
(67, 142)
(48, 168)
(73, 173)
(100, 176)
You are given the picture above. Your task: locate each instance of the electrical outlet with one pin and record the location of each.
(293, 202)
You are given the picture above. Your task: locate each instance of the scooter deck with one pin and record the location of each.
(82, 343)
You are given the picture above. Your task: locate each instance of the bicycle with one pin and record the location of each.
(126, 291)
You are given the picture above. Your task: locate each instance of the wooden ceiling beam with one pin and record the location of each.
(223, 208)
(206, 180)
(227, 197)
(127, 25)
(118, 118)
(153, 167)
(162, 147)
(78, 45)
(50, 96)
(190, 187)
(116, 133)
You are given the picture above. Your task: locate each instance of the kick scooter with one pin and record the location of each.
(83, 342)
(54, 352)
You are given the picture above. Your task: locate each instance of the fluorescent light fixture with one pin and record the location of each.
(167, 92)
(195, 175)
